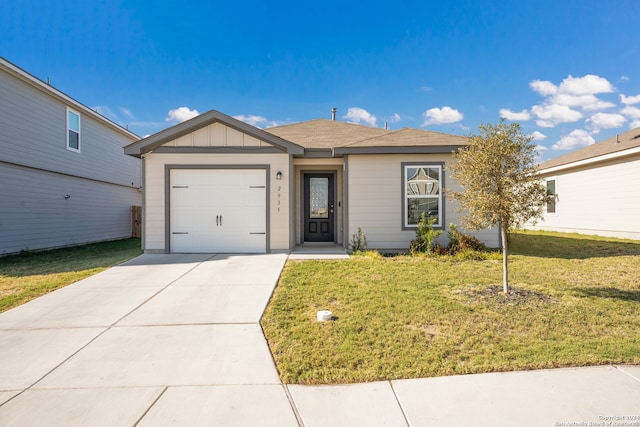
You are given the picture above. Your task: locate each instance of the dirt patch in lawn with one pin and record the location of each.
(516, 296)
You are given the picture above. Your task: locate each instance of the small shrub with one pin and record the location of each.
(460, 242)
(358, 241)
(440, 250)
(425, 236)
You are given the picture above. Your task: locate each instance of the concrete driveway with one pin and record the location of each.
(161, 339)
(175, 340)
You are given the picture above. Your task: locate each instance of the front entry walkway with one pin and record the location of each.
(311, 250)
(175, 340)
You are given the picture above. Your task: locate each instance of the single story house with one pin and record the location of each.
(64, 179)
(216, 184)
(596, 189)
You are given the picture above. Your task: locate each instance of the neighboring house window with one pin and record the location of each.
(422, 192)
(552, 191)
(73, 130)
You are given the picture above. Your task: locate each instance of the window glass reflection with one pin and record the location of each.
(318, 197)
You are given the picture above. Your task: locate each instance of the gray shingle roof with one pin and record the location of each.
(615, 144)
(330, 134)
(321, 133)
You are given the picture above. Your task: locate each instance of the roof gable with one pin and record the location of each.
(615, 145)
(214, 130)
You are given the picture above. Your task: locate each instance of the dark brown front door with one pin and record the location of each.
(319, 207)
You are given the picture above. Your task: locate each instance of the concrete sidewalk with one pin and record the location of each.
(175, 340)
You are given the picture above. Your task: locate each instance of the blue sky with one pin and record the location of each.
(567, 70)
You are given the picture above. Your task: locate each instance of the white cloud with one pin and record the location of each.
(553, 114)
(360, 116)
(545, 123)
(538, 136)
(586, 85)
(540, 149)
(106, 112)
(562, 101)
(633, 112)
(543, 87)
(634, 124)
(576, 139)
(395, 118)
(126, 112)
(441, 116)
(505, 113)
(252, 120)
(629, 99)
(181, 114)
(586, 102)
(426, 89)
(624, 78)
(605, 121)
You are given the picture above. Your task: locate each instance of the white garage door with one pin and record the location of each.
(218, 211)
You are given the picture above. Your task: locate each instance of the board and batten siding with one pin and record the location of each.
(38, 171)
(217, 135)
(34, 213)
(600, 199)
(155, 181)
(375, 191)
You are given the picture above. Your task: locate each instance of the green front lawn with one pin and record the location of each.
(29, 275)
(575, 302)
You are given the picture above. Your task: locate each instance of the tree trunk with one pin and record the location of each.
(505, 255)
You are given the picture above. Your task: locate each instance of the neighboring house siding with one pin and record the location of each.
(34, 213)
(154, 212)
(38, 170)
(375, 193)
(598, 199)
(33, 133)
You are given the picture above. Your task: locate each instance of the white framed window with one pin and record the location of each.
(422, 193)
(552, 190)
(73, 130)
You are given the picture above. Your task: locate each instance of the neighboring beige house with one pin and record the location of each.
(596, 189)
(216, 184)
(64, 179)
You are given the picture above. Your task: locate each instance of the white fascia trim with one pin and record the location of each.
(592, 160)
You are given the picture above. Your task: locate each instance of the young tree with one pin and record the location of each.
(500, 184)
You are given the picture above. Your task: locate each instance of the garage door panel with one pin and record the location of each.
(218, 210)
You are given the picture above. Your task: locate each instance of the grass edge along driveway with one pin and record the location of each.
(28, 275)
(575, 302)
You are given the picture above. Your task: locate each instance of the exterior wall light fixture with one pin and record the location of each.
(279, 175)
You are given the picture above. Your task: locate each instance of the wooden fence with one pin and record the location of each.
(136, 221)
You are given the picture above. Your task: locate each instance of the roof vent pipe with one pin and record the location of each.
(333, 113)
(617, 139)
